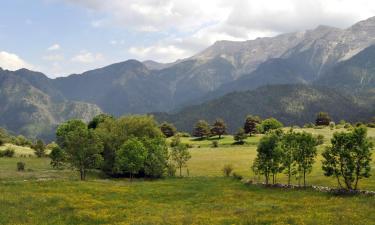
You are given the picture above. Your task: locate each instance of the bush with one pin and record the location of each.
(21, 166)
(332, 125)
(237, 176)
(227, 170)
(347, 126)
(215, 144)
(371, 125)
(171, 170)
(9, 152)
(320, 139)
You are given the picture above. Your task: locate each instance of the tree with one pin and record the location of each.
(348, 157)
(39, 148)
(251, 123)
(156, 161)
(94, 123)
(168, 129)
(289, 145)
(322, 119)
(305, 154)
(219, 128)
(131, 157)
(270, 124)
(57, 156)
(82, 146)
(201, 129)
(269, 156)
(180, 155)
(114, 132)
(240, 136)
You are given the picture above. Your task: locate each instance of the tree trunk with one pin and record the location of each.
(304, 178)
(180, 171)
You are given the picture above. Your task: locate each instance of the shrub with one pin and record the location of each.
(215, 144)
(171, 170)
(237, 176)
(240, 136)
(371, 125)
(347, 126)
(21, 166)
(332, 125)
(320, 139)
(227, 170)
(9, 152)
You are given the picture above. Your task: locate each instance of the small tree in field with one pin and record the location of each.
(270, 124)
(251, 124)
(57, 156)
(131, 157)
(348, 158)
(289, 146)
(201, 129)
(269, 156)
(322, 119)
(305, 154)
(180, 155)
(81, 144)
(240, 136)
(39, 148)
(219, 128)
(168, 129)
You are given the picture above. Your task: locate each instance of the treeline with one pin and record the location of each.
(294, 154)
(126, 146)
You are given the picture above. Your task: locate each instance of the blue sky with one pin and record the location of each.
(60, 37)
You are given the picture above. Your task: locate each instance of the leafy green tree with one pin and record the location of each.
(269, 156)
(305, 154)
(131, 157)
(168, 129)
(289, 145)
(201, 129)
(94, 123)
(81, 145)
(349, 157)
(180, 155)
(322, 119)
(219, 128)
(114, 132)
(39, 148)
(57, 156)
(156, 161)
(240, 136)
(270, 124)
(251, 124)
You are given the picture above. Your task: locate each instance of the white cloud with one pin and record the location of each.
(185, 27)
(12, 61)
(86, 57)
(54, 47)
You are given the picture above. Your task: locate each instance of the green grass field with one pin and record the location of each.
(42, 195)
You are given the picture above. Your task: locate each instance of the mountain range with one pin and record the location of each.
(290, 76)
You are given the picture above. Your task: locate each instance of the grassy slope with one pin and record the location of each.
(204, 198)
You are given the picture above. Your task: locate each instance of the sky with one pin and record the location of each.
(61, 37)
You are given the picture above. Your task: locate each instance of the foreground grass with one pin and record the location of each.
(174, 201)
(42, 195)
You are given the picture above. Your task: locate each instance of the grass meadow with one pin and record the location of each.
(42, 195)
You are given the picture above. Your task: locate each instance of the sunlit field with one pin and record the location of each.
(42, 195)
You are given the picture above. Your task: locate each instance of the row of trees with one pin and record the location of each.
(294, 153)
